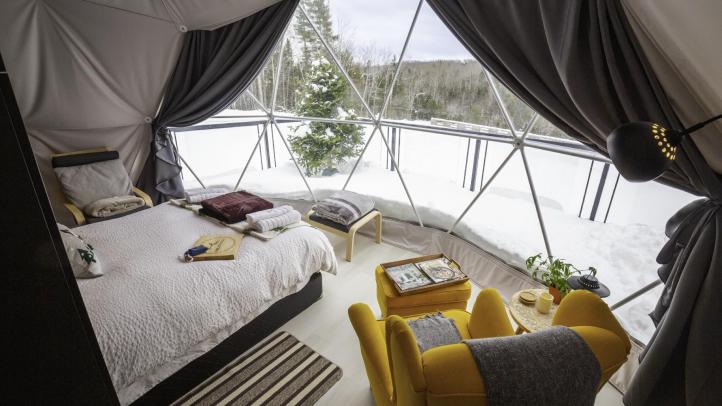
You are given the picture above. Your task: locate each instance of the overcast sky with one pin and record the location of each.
(384, 24)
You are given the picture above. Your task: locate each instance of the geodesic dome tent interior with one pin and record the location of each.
(485, 167)
(386, 99)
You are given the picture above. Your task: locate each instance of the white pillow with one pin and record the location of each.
(82, 256)
(85, 184)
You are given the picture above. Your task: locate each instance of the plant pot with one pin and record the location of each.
(556, 293)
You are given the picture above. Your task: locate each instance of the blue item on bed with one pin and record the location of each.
(188, 255)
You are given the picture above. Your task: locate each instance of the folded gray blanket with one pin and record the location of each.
(344, 207)
(113, 205)
(434, 330)
(549, 367)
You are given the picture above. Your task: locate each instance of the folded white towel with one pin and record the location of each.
(113, 205)
(212, 189)
(199, 195)
(240, 227)
(283, 220)
(267, 214)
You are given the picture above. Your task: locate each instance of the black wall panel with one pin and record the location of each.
(50, 352)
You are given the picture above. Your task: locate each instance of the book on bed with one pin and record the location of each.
(220, 247)
(423, 273)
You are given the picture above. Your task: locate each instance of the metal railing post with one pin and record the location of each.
(401, 178)
(483, 188)
(483, 164)
(475, 166)
(466, 162)
(611, 198)
(248, 163)
(393, 146)
(586, 188)
(600, 190)
(260, 151)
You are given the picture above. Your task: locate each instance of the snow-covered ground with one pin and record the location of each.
(503, 221)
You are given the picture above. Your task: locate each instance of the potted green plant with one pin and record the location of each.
(554, 272)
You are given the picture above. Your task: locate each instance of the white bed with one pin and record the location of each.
(153, 313)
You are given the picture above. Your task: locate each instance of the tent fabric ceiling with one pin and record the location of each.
(191, 14)
(90, 75)
(681, 42)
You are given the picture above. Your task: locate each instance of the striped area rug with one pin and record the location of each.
(279, 371)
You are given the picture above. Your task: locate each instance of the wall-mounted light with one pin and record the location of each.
(642, 151)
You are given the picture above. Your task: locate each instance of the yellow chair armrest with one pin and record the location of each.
(584, 308)
(373, 350)
(78, 215)
(450, 370)
(144, 196)
(405, 359)
(489, 318)
(607, 347)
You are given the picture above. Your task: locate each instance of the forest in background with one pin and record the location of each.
(448, 89)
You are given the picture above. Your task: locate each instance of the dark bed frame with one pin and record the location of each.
(203, 367)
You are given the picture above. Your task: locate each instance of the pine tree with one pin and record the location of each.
(320, 14)
(321, 147)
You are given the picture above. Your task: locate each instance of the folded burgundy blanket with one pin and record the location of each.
(233, 207)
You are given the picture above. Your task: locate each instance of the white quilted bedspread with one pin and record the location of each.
(151, 309)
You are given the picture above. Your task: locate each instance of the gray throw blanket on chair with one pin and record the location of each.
(434, 330)
(344, 207)
(549, 367)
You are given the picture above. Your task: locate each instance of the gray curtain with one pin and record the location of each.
(213, 69)
(578, 64)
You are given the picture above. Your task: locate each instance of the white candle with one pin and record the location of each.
(544, 303)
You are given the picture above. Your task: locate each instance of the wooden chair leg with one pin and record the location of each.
(349, 246)
(379, 222)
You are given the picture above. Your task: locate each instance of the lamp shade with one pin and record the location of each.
(590, 283)
(641, 150)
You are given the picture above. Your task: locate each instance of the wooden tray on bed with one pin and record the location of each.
(220, 247)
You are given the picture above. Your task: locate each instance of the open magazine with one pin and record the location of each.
(423, 273)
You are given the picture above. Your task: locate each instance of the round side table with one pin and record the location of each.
(527, 317)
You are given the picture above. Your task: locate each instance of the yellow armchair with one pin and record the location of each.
(399, 374)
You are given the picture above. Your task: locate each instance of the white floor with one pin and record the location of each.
(325, 326)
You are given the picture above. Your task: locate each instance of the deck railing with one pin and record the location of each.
(476, 135)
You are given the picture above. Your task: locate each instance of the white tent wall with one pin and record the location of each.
(91, 74)
(686, 61)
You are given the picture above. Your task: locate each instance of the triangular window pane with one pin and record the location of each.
(370, 36)
(503, 221)
(311, 83)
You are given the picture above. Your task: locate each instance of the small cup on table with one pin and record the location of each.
(544, 303)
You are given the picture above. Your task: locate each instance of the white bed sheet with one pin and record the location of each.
(152, 313)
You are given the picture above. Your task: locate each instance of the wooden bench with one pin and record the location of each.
(349, 232)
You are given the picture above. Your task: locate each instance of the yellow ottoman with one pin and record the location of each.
(446, 298)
